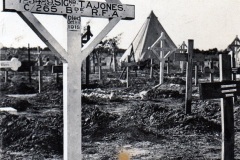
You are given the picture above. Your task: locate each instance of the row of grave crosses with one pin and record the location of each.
(226, 89)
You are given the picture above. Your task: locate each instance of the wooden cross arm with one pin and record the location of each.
(219, 89)
(83, 8)
(44, 35)
(198, 57)
(129, 64)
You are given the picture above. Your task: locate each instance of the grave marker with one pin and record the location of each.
(161, 56)
(72, 60)
(226, 90)
(100, 64)
(189, 57)
(29, 70)
(13, 64)
(40, 63)
(188, 94)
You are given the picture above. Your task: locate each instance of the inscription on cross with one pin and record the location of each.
(78, 7)
(226, 89)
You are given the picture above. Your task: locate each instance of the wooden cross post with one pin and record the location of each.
(190, 57)
(226, 89)
(40, 63)
(29, 61)
(73, 58)
(6, 76)
(162, 62)
(196, 73)
(211, 71)
(57, 74)
(151, 69)
(188, 95)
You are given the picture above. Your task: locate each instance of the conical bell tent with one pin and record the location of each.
(147, 35)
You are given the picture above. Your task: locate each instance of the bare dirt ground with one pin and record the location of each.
(115, 120)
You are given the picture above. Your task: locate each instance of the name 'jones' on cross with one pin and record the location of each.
(80, 4)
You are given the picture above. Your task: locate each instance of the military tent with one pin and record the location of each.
(145, 38)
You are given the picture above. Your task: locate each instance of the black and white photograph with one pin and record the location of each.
(120, 80)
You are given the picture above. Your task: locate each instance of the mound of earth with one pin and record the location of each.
(20, 133)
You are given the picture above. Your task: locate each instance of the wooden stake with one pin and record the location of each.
(127, 72)
(161, 73)
(6, 76)
(168, 65)
(99, 67)
(196, 74)
(226, 111)
(29, 62)
(87, 71)
(188, 95)
(211, 71)
(151, 69)
(57, 74)
(40, 81)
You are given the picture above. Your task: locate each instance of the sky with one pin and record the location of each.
(210, 23)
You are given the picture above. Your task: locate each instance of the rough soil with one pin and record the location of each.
(115, 121)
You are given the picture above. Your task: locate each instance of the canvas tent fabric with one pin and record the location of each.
(147, 35)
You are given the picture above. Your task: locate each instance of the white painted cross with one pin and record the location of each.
(162, 56)
(72, 60)
(13, 64)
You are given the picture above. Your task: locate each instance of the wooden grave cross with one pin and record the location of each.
(13, 64)
(226, 89)
(126, 66)
(72, 59)
(161, 56)
(189, 57)
(100, 64)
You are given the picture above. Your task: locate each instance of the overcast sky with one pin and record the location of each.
(211, 23)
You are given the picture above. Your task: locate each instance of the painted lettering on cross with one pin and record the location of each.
(219, 89)
(74, 22)
(83, 8)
